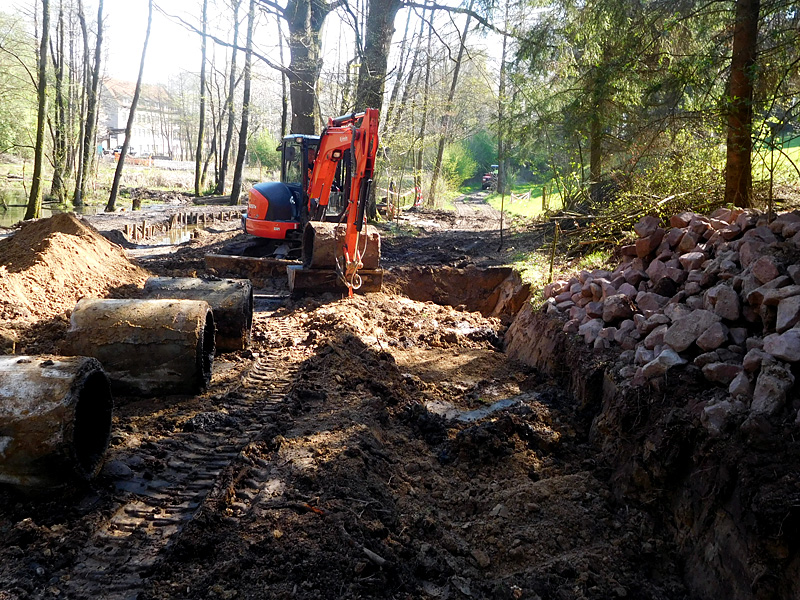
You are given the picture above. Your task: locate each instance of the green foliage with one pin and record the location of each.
(262, 149)
(483, 148)
(458, 164)
(17, 94)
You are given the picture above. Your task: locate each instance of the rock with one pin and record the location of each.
(774, 297)
(634, 276)
(590, 330)
(726, 303)
(665, 287)
(730, 232)
(646, 245)
(741, 387)
(655, 337)
(656, 271)
(716, 417)
(701, 360)
(628, 250)
(794, 273)
(643, 355)
(681, 220)
(577, 313)
(785, 346)
(788, 313)
(692, 260)
(562, 297)
(694, 302)
(765, 269)
(617, 307)
(555, 288)
(646, 226)
(713, 337)
(627, 289)
(688, 242)
(627, 371)
(761, 234)
(721, 372)
(667, 359)
(594, 309)
(738, 335)
(673, 236)
(685, 330)
(117, 469)
(571, 326)
(755, 296)
(650, 301)
(481, 558)
(750, 251)
(772, 385)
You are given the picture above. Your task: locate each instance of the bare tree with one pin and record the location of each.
(229, 105)
(198, 157)
(58, 186)
(437, 167)
(87, 153)
(35, 198)
(112, 200)
(243, 130)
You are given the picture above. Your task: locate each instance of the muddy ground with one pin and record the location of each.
(374, 447)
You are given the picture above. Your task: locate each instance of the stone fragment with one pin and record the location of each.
(692, 288)
(656, 270)
(655, 337)
(746, 219)
(681, 220)
(721, 372)
(555, 288)
(788, 313)
(667, 359)
(685, 330)
(674, 236)
(738, 335)
(692, 260)
(774, 297)
(726, 303)
(627, 289)
(646, 226)
(571, 326)
(627, 371)
(741, 386)
(785, 346)
(794, 273)
(701, 360)
(761, 234)
(730, 232)
(713, 337)
(665, 287)
(765, 269)
(750, 251)
(563, 297)
(643, 355)
(634, 276)
(590, 330)
(782, 220)
(716, 417)
(628, 250)
(688, 242)
(646, 245)
(577, 313)
(117, 469)
(650, 301)
(772, 385)
(565, 305)
(790, 230)
(755, 296)
(594, 309)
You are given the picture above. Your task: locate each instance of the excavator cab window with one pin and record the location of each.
(293, 163)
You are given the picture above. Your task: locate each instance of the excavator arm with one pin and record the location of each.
(358, 133)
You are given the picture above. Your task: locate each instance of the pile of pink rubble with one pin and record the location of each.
(720, 292)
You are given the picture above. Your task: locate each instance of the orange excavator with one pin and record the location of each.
(320, 203)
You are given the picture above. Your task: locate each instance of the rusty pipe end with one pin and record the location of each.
(91, 428)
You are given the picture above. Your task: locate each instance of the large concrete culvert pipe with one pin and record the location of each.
(231, 301)
(55, 420)
(147, 347)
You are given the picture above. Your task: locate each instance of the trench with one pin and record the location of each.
(704, 492)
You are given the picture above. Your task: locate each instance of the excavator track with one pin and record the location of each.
(151, 512)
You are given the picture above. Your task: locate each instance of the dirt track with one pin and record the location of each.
(338, 458)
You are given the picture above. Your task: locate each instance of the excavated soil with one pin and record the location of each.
(382, 446)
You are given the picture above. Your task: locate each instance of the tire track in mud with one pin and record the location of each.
(151, 512)
(475, 211)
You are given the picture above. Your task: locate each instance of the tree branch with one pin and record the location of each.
(457, 9)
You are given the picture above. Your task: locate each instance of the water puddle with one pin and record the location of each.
(14, 213)
(451, 413)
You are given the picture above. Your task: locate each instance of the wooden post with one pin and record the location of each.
(544, 198)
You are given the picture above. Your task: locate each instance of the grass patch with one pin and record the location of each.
(530, 208)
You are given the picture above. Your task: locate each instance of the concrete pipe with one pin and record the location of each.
(55, 420)
(147, 347)
(322, 245)
(231, 301)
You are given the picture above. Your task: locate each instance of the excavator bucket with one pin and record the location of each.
(324, 264)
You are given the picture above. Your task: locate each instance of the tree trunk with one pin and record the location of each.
(229, 101)
(35, 198)
(91, 114)
(738, 169)
(437, 167)
(242, 151)
(502, 175)
(404, 101)
(304, 19)
(398, 81)
(377, 43)
(58, 186)
(198, 157)
(284, 87)
(112, 200)
(424, 123)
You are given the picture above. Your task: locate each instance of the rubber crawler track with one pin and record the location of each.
(122, 552)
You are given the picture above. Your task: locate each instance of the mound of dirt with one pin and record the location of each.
(50, 263)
